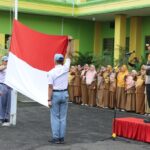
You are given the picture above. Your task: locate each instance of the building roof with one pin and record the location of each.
(99, 9)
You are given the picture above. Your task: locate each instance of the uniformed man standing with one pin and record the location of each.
(5, 95)
(58, 94)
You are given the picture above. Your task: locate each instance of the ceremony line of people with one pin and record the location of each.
(109, 88)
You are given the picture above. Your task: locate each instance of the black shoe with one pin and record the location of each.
(6, 120)
(62, 141)
(147, 120)
(54, 141)
(2, 121)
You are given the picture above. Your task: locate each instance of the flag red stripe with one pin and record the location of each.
(36, 49)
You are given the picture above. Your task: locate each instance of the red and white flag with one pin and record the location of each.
(31, 56)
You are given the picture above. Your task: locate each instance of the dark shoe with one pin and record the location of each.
(62, 141)
(147, 120)
(2, 121)
(54, 141)
(6, 120)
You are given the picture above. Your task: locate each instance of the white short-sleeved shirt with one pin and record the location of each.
(58, 76)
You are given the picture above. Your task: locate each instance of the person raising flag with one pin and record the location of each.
(58, 94)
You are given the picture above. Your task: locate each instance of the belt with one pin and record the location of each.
(3, 83)
(60, 90)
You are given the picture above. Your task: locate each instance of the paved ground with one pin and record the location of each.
(87, 128)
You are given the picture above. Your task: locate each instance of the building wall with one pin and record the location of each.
(145, 31)
(108, 30)
(80, 29)
(6, 23)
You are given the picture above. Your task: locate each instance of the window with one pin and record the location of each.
(108, 45)
(108, 50)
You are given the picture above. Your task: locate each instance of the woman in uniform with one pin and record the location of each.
(130, 91)
(77, 85)
(91, 84)
(120, 92)
(84, 90)
(140, 96)
(112, 90)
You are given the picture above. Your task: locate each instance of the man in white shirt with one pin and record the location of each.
(58, 94)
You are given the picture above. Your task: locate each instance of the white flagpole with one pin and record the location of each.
(16, 9)
(13, 109)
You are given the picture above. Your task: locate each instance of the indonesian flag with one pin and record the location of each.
(31, 56)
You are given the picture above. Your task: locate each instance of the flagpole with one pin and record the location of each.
(13, 109)
(16, 9)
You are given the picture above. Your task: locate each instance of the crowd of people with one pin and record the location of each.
(109, 87)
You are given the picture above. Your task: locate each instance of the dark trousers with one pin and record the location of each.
(5, 101)
(148, 93)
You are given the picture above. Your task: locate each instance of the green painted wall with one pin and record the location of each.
(79, 29)
(44, 24)
(86, 35)
(145, 31)
(107, 32)
(6, 23)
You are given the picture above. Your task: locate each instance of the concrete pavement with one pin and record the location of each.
(87, 127)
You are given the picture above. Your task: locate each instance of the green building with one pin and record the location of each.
(103, 27)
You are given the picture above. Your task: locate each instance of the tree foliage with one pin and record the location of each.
(90, 58)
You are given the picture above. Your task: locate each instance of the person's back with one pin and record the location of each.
(58, 95)
(59, 75)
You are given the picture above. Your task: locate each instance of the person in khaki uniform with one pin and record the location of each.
(140, 96)
(91, 84)
(77, 86)
(112, 90)
(92, 93)
(71, 83)
(120, 92)
(99, 80)
(100, 88)
(84, 90)
(106, 75)
(130, 91)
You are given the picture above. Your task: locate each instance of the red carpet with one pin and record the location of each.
(132, 128)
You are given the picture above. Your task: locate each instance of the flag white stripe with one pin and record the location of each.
(27, 80)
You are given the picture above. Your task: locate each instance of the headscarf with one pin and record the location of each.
(71, 74)
(129, 81)
(112, 77)
(121, 76)
(84, 71)
(109, 68)
(90, 75)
